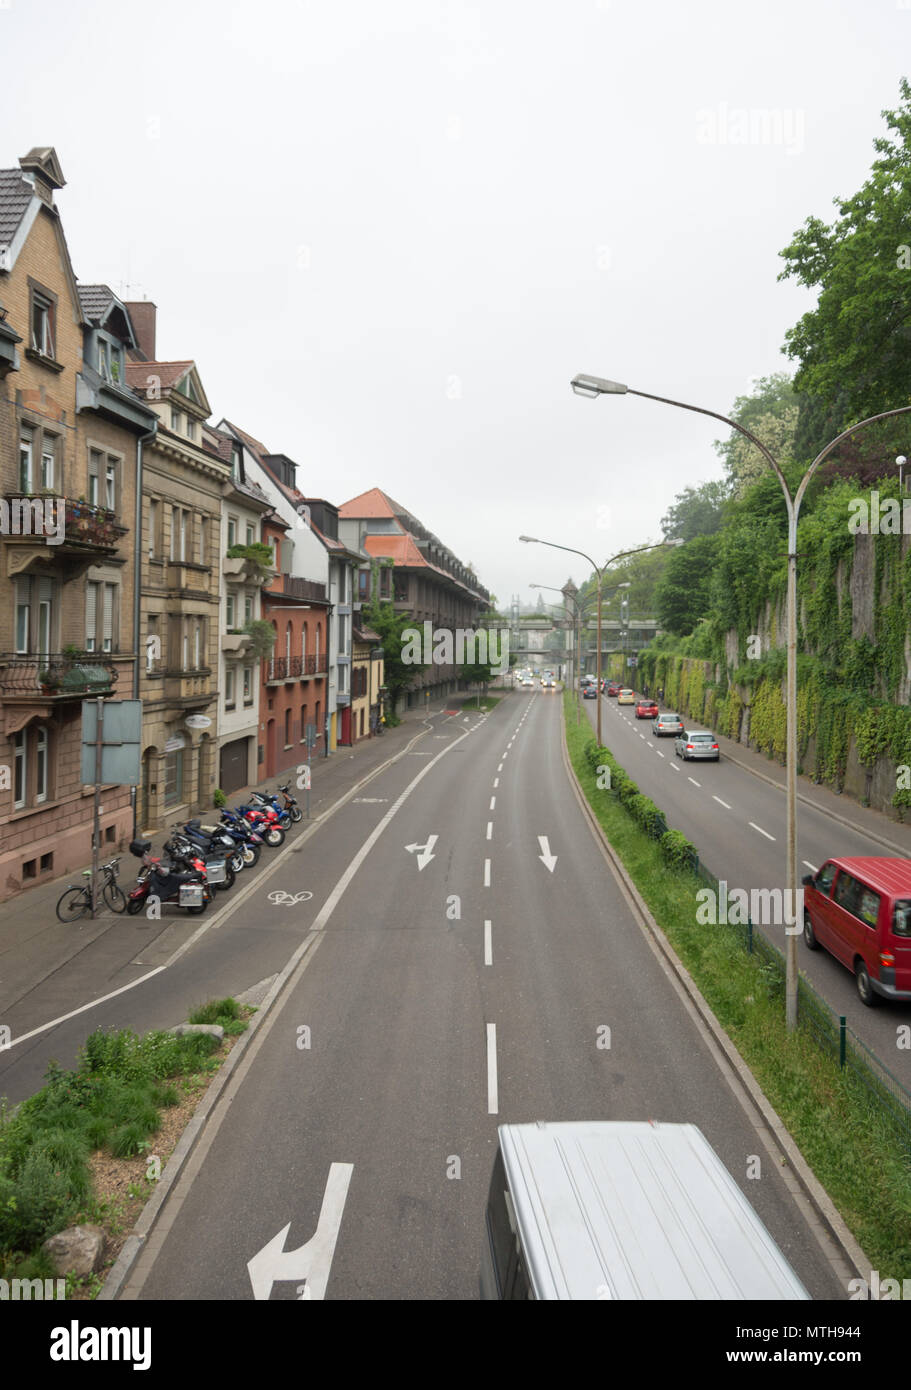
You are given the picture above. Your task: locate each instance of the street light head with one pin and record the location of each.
(678, 540)
(592, 386)
(901, 461)
(528, 538)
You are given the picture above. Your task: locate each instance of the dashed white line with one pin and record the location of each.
(493, 802)
(499, 767)
(721, 803)
(491, 1068)
(486, 873)
(674, 767)
(754, 826)
(496, 781)
(488, 945)
(659, 752)
(810, 866)
(490, 830)
(694, 782)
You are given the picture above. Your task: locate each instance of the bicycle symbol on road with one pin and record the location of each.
(278, 898)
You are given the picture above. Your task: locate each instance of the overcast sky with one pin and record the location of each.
(389, 232)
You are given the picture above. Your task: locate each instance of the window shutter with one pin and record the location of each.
(107, 631)
(91, 601)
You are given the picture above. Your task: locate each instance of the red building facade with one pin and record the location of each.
(293, 679)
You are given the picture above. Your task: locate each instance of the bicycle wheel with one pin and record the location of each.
(114, 896)
(73, 904)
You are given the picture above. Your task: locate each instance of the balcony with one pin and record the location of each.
(282, 668)
(32, 529)
(305, 590)
(55, 676)
(233, 643)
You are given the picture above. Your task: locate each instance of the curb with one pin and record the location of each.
(819, 1200)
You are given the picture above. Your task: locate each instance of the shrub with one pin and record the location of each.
(647, 814)
(215, 1011)
(678, 851)
(219, 799)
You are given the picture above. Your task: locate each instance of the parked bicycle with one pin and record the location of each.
(76, 900)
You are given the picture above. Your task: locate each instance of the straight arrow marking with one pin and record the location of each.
(546, 858)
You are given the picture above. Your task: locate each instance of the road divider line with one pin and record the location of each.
(496, 781)
(694, 782)
(492, 1098)
(488, 945)
(493, 802)
(720, 802)
(810, 866)
(754, 826)
(490, 829)
(486, 873)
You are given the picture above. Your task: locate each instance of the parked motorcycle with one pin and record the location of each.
(186, 853)
(291, 804)
(264, 820)
(214, 843)
(249, 842)
(183, 888)
(268, 800)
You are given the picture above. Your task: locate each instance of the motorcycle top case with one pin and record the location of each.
(216, 871)
(191, 895)
(140, 847)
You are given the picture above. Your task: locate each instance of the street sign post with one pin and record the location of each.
(111, 752)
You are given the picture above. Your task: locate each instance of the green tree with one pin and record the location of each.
(771, 412)
(853, 348)
(389, 625)
(478, 675)
(696, 511)
(684, 594)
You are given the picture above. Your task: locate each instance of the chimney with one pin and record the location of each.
(142, 312)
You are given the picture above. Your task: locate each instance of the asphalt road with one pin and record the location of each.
(432, 1004)
(738, 823)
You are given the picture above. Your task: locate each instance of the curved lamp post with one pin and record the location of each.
(599, 386)
(659, 545)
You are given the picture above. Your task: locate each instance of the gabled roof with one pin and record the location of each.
(99, 303)
(167, 373)
(16, 193)
(373, 502)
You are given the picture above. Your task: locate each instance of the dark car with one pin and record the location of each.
(646, 709)
(589, 692)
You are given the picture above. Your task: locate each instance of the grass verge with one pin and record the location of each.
(855, 1151)
(90, 1146)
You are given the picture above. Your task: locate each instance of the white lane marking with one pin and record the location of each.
(499, 767)
(493, 802)
(810, 866)
(488, 945)
(659, 752)
(82, 1008)
(760, 829)
(486, 873)
(674, 767)
(490, 829)
(694, 782)
(492, 1069)
(311, 1261)
(721, 803)
(496, 781)
(369, 800)
(642, 735)
(546, 858)
(425, 855)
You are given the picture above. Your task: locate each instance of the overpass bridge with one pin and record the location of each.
(552, 640)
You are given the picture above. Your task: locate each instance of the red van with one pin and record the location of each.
(860, 910)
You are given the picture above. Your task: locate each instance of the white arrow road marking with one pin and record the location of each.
(761, 831)
(313, 1260)
(546, 858)
(425, 855)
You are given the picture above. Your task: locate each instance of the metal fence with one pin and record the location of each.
(887, 1098)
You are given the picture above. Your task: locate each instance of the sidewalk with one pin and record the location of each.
(28, 949)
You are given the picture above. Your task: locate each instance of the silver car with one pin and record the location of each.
(667, 724)
(695, 743)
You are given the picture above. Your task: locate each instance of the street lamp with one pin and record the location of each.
(599, 386)
(534, 540)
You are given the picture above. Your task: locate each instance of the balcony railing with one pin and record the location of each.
(85, 525)
(283, 668)
(55, 675)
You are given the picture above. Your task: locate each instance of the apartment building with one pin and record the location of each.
(185, 473)
(70, 440)
(416, 573)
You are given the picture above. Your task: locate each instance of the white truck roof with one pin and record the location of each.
(636, 1210)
